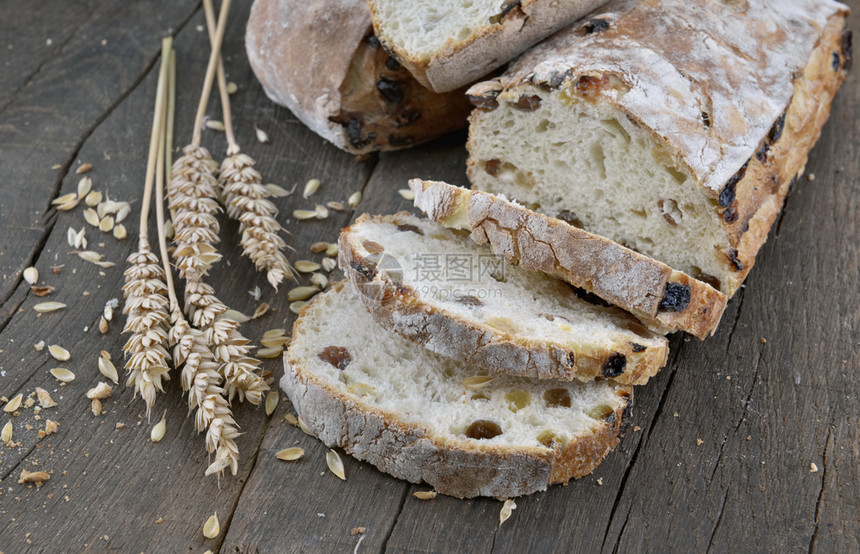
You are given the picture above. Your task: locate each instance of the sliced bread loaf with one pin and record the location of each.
(437, 288)
(321, 60)
(672, 126)
(448, 43)
(664, 299)
(422, 417)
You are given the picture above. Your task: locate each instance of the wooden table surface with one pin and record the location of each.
(724, 438)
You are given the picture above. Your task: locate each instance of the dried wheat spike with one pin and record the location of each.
(230, 347)
(200, 378)
(192, 196)
(247, 201)
(147, 320)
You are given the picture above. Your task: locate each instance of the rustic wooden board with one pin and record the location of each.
(763, 410)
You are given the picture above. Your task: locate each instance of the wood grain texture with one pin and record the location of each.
(764, 411)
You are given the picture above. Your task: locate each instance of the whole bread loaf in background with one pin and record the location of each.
(671, 126)
(450, 43)
(321, 60)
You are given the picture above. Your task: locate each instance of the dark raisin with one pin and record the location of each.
(557, 397)
(706, 119)
(404, 227)
(761, 155)
(709, 279)
(527, 103)
(469, 300)
(596, 26)
(730, 214)
(847, 48)
(355, 135)
(363, 270)
(484, 102)
(589, 297)
(392, 64)
(390, 90)
(732, 254)
(638, 348)
(727, 196)
(373, 247)
(338, 356)
(776, 131)
(404, 140)
(675, 298)
(492, 167)
(373, 41)
(615, 365)
(589, 85)
(483, 429)
(407, 118)
(836, 63)
(570, 218)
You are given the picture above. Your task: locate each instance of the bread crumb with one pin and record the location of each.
(636, 429)
(600, 481)
(763, 340)
(676, 414)
(813, 468)
(357, 531)
(811, 176)
(749, 438)
(699, 441)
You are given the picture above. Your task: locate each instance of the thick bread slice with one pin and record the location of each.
(321, 60)
(664, 299)
(437, 288)
(405, 410)
(448, 43)
(673, 126)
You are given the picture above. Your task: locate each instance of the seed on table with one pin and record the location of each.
(329, 264)
(406, 194)
(7, 432)
(215, 125)
(123, 212)
(13, 404)
(92, 217)
(45, 307)
(64, 199)
(159, 430)
(262, 136)
(59, 353)
(106, 224)
(319, 280)
(93, 199)
(63, 375)
(119, 232)
(318, 247)
(290, 454)
(84, 168)
(31, 275)
(335, 464)
(84, 186)
(212, 528)
(270, 353)
(272, 402)
(354, 199)
(302, 215)
(107, 369)
(311, 187)
(232, 88)
(305, 266)
(321, 211)
(277, 191)
(301, 293)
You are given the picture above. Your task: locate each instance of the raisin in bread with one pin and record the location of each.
(437, 288)
(664, 299)
(447, 43)
(405, 409)
(322, 61)
(671, 126)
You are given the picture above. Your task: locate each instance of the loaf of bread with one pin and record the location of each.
(673, 127)
(321, 60)
(437, 288)
(420, 416)
(664, 299)
(447, 44)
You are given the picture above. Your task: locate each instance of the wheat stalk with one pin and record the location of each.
(144, 290)
(246, 199)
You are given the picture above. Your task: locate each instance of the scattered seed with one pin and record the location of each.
(39, 346)
(272, 333)
(319, 280)
(31, 275)
(290, 454)
(354, 199)
(6, 436)
(45, 399)
(105, 354)
(100, 391)
(85, 185)
(160, 428)
(236, 316)
(84, 168)
(311, 187)
(321, 211)
(302, 215)
(406, 194)
(812, 467)
(119, 232)
(304, 427)
(63, 375)
(13, 404)
(336, 206)
(93, 258)
(71, 237)
(424, 495)
(80, 239)
(306, 266)
(96, 406)
(477, 382)
(261, 310)
(67, 206)
(276, 191)
(291, 419)
(215, 125)
(331, 250)
(329, 264)
(507, 508)
(93, 199)
(59, 353)
(42, 291)
(92, 217)
(301, 293)
(274, 342)
(212, 528)
(106, 224)
(33, 477)
(65, 199)
(270, 353)
(169, 230)
(272, 402)
(103, 326)
(232, 88)
(123, 212)
(262, 136)
(335, 464)
(255, 292)
(107, 369)
(296, 307)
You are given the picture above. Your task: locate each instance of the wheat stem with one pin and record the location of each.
(222, 80)
(210, 72)
(171, 115)
(159, 182)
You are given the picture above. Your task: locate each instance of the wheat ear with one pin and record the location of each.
(246, 199)
(144, 290)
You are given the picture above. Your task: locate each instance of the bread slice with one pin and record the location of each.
(664, 299)
(671, 126)
(406, 410)
(321, 60)
(448, 43)
(439, 289)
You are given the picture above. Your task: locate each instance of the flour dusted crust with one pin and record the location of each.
(321, 60)
(736, 91)
(410, 451)
(537, 242)
(518, 25)
(399, 308)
